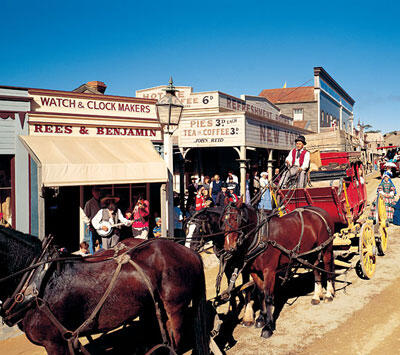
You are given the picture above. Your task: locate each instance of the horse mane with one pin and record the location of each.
(17, 249)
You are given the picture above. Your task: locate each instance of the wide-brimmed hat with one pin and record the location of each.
(301, 139)
(264, 173)
(109, 198)
(231, 187)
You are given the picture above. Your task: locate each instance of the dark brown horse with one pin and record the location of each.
(300, 231)
(72, 292)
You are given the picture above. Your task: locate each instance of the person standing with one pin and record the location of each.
(178, 218)
(192, 191)
(233, 176)
(91, 208)
(265, 202)
(113, 216)
(140, 219)
(215, 187)
(298, 162)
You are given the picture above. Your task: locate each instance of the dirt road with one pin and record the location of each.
(364, 317)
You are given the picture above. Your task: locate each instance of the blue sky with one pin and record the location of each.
(235, 47)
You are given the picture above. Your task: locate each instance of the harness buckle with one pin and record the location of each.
(19, 297)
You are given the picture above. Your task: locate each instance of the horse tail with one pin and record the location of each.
(201, 333)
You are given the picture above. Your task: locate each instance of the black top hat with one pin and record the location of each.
(301, 139)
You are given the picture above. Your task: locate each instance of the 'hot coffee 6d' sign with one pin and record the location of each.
(212, 132)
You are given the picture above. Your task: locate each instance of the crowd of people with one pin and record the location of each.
(105, 221)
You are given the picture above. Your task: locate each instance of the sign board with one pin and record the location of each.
(185, 94)
(55, 129)
(88, 106)
(211, 132)
(259, 134)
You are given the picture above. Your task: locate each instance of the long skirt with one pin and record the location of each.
(265, 202)
(389, 203)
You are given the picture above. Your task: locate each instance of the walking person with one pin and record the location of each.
(107, 218)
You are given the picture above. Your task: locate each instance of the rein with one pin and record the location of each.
(72, 336)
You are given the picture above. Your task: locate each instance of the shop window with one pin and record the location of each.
(298, 114)
(322, 118)
(6, 191)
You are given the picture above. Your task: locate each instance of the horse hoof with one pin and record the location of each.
(328, 299)
(266, 333)
(247, 324)
(259, 323)
(314, 301)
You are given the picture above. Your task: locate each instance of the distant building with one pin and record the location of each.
(392, 138)
(323, 107)
(374, 140)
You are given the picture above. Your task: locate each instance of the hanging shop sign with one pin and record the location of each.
(211, 132)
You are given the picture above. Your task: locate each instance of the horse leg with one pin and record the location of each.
(248, 318)
(174, 324)
(269, 288)
(260, 321)
(318, 292)
(330, 267)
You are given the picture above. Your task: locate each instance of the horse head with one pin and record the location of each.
(200, 225)
(234, 219)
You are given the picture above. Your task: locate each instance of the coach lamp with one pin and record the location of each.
(169, 112)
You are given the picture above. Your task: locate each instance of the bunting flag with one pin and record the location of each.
(284, 85)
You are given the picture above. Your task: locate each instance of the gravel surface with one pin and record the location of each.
(359, 320)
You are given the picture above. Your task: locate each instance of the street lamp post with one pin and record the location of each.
(169, 112)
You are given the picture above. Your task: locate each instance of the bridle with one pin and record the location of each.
(242, 217)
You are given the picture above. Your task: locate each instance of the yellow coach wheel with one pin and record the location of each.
(382, 222)
(367, 250)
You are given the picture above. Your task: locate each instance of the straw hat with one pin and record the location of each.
(109, 198)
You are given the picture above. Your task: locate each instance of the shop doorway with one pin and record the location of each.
(62, 215)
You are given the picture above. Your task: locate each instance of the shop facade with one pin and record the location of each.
(219, 132)
(73, 141)
(14, 160)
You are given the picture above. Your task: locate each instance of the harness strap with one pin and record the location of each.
(157, 307)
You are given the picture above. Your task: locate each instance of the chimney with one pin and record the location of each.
(97, 85)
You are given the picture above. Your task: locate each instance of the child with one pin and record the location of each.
(157, 228)
(83, 249)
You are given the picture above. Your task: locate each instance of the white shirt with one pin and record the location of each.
(99, 215)
(235, 178)
(306, 162)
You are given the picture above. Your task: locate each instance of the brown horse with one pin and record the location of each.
(300, 231)
(73, 291)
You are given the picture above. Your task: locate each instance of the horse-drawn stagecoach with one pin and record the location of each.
(339, 187)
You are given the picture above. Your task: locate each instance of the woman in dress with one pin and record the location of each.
(387, 190)
(265, 202)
